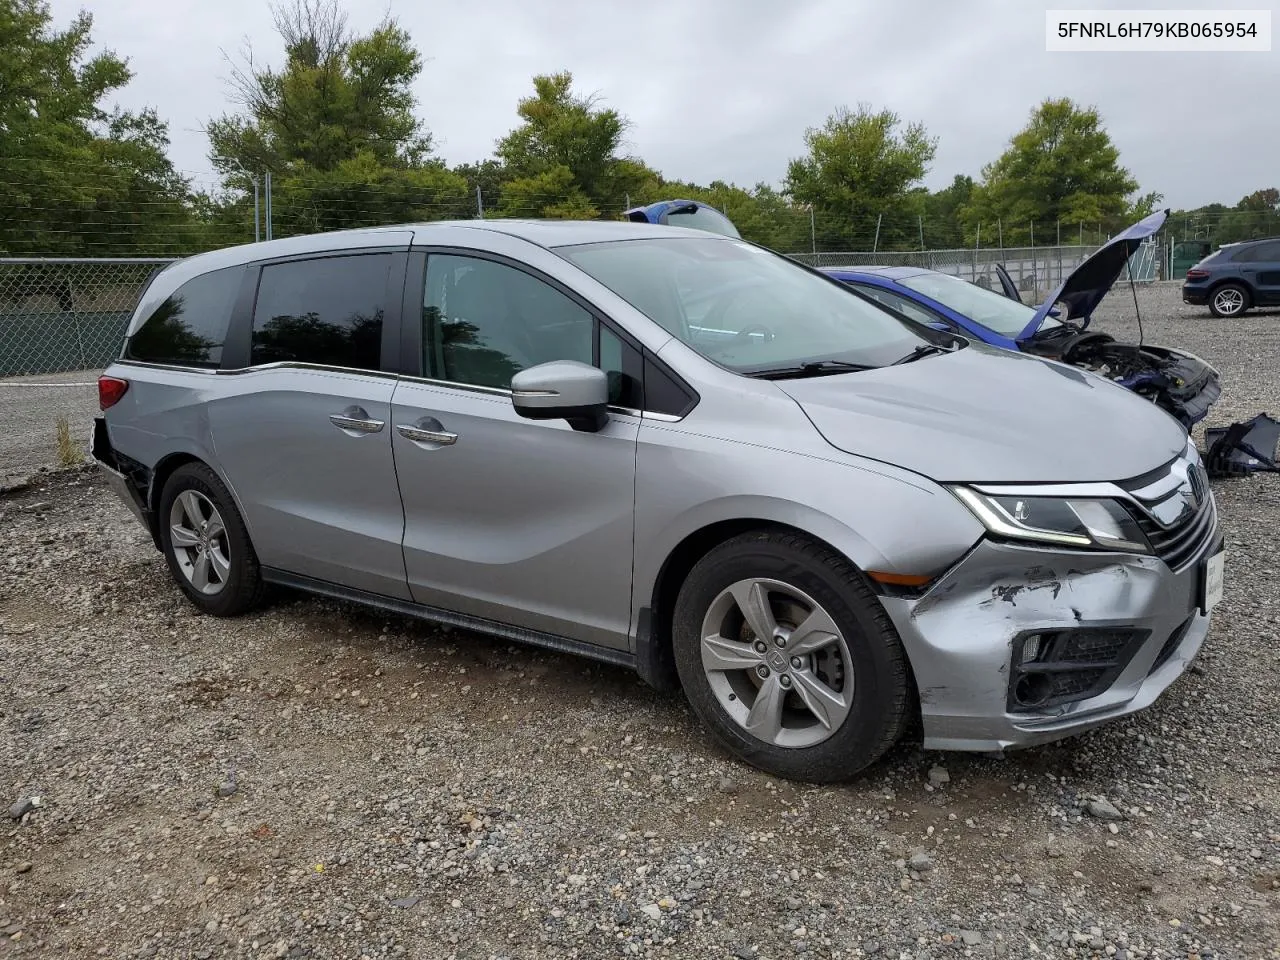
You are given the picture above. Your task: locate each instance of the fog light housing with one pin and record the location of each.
(1050, 668)
(1033, 689)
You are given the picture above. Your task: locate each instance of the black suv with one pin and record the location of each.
(1235, 277)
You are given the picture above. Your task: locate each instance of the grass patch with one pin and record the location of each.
(69, 452)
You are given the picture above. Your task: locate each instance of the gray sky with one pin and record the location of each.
(724, 89)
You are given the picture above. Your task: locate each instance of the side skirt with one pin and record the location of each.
(533, 638)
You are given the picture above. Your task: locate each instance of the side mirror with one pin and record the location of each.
(563, 390)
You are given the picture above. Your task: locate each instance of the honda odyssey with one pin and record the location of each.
(679, 453)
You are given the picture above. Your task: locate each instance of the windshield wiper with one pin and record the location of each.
(814, 368)
(924, 350)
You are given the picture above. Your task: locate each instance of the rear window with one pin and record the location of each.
(326, 311)
(702, 218)
(188, 328)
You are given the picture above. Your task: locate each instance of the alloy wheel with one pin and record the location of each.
(777, 663)
(1228, 301)
(199, 539)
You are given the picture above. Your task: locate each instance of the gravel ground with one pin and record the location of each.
(31, 407)
(321, 781)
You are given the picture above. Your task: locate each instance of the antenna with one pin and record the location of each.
(1134, 290)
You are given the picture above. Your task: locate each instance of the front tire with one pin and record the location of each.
(206, 543)
(787, 656)
(1229, 300)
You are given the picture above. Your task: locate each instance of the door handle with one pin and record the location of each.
(426, 435)
(356, 420)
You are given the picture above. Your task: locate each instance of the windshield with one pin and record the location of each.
(993, 310)
(743, 307)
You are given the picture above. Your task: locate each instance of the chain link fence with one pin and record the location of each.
(59, 315)
(1036, 271)
(61, 321)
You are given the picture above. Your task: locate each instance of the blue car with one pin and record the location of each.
(685, 213)
(1181, 383)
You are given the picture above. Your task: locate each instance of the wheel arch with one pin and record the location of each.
(655, 660)
(165, 468)
(1240, 282)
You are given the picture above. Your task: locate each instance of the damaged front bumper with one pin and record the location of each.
(1112, 632)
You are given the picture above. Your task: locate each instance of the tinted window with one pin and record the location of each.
(189, 327)
(624, 366)
(1258, 253)
(484, 322)
(327, 311)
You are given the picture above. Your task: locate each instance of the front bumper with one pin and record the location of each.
(959, 637)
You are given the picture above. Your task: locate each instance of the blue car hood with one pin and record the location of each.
(1084, 287)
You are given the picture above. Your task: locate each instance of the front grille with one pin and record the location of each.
(1097, 646)
(1174, 509)
(1177, 545)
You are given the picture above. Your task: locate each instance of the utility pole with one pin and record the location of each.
(257, 217)
(876, 243)
(813, 235)
(268, 191)
(479, 204)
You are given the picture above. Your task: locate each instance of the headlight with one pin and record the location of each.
(1090, 524)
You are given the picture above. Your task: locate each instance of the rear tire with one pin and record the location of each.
(206, 544)
(1229, 300)
(820, 698)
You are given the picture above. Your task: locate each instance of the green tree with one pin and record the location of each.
(563, 158)
(942, 224)
(78, 180)
(1060, 168)
(860, 165)
(336, 128)
(487, 176)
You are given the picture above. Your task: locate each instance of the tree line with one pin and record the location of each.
(335, 124)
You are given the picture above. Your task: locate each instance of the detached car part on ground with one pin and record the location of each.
(1178, 382)
(674, 452)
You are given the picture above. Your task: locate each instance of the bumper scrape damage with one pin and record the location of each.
(1019, 645)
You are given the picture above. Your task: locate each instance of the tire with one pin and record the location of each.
(1234, 301)
(863, 667)
(231, 583)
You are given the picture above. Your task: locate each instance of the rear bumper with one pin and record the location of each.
(120, 483)
(1195, 295)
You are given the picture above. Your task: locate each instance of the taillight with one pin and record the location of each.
(110, 390)
(1197, 274)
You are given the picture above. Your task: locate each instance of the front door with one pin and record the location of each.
(526, 522)
(304, 434)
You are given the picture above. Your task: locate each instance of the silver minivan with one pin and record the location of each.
(675, 452)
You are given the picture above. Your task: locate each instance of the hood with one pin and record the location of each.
(1084, 287)
(986, 415)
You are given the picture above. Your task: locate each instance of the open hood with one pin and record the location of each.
(1084, 287)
